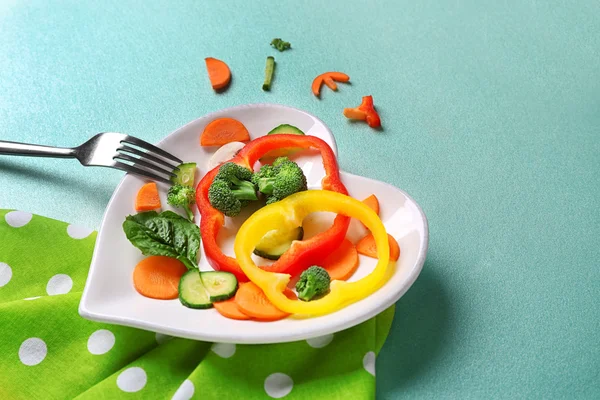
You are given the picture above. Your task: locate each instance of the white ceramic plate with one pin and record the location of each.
(109, 295)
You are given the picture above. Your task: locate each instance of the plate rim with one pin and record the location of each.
(86, 313)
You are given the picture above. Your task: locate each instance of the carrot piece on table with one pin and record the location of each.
(230, 309)
(158, 277)
(222, 131)
(373, 202)
(253, 302)
(218, 73)
(147, 198)
(342, 263)
(330, 83)
(366, 246)
(328, 78)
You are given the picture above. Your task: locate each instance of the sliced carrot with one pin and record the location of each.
(373, 202)
(218, 73)
(366, 246)
(147, 198)
(253, 302)
(328, 78)
(330, 83)
(158, 277)
(222, 131)
(342, 263)
(230, 309)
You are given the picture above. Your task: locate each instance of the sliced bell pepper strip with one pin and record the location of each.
(290, 212)
(366, 112)
(301, 254)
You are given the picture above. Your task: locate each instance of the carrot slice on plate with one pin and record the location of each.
(342, 263)
(147, 198)
(373, 202)
(230, 309)
(218, 73)
(222, 131)
(366, 246)
(252, 301)
(158, 277)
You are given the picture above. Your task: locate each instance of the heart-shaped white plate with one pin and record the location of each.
(109, 295)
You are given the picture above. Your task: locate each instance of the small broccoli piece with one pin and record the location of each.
(280, 180)
(182, 197)
(280, 45)
(232, 189)
(314, 282)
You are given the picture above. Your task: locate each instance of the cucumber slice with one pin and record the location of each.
(185, 175)
(283, 128)
(286, 128)
(277, 242)
(192, 292)
(219, 285)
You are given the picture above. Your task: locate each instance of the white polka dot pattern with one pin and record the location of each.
(132, 380)
(278, 385)
(33, 351)
(17, 219)
(59, 284)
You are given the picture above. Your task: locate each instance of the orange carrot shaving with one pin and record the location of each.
(158, 277)
(366, 246)
(218, 73)
(252, 301)
(147, 198)
(342, 263)
(222, 131)
(328, 78)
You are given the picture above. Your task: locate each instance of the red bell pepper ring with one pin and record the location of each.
(302, 254)
(365, 112)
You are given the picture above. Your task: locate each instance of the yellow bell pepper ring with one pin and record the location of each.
(288, 214)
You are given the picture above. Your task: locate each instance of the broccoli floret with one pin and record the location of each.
(280, 45)
(232, 189)
(182, 197)
(314, 282)
(280, 180)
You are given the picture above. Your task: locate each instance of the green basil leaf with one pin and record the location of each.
(165, 234)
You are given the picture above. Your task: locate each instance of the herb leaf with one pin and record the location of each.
(165, 234)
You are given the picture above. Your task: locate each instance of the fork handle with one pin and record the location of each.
(35, 150)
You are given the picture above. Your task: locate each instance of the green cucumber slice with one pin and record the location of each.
(219, 285)
(283, 128)
(185, 175)
(276, 242)
(192, 292)
(286, 128)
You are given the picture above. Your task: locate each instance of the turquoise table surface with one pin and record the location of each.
(491, 115)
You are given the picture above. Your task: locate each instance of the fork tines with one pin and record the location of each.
(154, 163)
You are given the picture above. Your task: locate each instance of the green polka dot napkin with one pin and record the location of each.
(48, 351)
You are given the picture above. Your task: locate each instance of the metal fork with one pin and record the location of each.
(108, 149)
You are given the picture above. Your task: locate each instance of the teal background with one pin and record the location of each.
(491, 114)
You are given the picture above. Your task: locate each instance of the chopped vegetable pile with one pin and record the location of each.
(317, 267)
